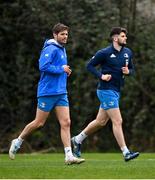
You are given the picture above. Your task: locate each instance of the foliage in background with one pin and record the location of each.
(25, 25)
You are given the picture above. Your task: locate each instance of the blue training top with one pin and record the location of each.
(111, 62)
(53, 78)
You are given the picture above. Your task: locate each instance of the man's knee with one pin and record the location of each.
(117, 122)
(102, 122)
(65, 123)
(38, 123)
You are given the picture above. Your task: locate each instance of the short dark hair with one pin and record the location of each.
(117, 31)
(59, 27)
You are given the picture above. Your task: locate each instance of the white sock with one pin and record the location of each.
(68, 153)
(19, 141)
(124, 150)
(80, 137)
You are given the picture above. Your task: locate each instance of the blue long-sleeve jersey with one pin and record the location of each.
(111, 62)
(53, 78)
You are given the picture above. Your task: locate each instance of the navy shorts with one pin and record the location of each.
(47, 103)
(108, 99)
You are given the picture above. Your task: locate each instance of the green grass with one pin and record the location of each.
(97, 166)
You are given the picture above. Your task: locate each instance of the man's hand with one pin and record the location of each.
(67, 69)
(106, 77)
(125, 70)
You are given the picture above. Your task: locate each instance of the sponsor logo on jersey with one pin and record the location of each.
(126, 55)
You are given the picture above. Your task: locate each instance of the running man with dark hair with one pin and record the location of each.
(115, 62)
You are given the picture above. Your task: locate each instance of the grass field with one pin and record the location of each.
(97, 166)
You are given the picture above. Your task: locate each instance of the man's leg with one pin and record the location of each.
(100, 121)
(63, 116)
(39, 121)
(116, 118)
